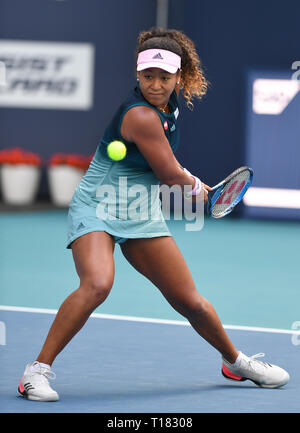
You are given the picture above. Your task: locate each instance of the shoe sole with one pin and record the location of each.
(231, 376)
(35, 398)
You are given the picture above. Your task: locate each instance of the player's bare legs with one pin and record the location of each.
(93, 257)
(161, 261)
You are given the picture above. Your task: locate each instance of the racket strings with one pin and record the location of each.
(230, 193)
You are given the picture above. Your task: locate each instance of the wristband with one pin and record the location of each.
(198, 184)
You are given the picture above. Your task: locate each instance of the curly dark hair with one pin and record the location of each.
(193, 81)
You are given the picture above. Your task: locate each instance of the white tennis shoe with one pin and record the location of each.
(261, 373)
(34, 384)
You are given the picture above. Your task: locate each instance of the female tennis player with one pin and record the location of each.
(146, 122)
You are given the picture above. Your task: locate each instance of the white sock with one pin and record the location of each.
(238, 360)
(45, 365)
(36, 366)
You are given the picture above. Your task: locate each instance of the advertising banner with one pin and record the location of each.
(50, 75)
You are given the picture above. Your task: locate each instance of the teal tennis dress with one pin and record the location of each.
(122, 197)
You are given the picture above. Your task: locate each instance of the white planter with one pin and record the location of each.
(19, 183)
(63, 180)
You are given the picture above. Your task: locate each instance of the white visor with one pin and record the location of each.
(156, 58)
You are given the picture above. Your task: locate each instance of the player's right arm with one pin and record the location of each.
(142, 126)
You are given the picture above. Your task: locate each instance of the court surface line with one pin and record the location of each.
(149, 320)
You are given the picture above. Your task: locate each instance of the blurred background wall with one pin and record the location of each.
(232, 39)
(112, 28)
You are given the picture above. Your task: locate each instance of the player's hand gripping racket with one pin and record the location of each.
(224, 196)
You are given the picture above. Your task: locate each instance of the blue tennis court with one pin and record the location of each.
(136, 354)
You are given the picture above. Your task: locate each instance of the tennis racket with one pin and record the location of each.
(224, 196)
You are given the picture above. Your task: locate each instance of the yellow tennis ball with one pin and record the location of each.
(116, 150)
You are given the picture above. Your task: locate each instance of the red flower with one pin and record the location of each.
(74, 160)
(19, 156)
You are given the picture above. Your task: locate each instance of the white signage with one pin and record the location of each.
(2, 74)
(272, 96)
(53, 75)
(273, 197)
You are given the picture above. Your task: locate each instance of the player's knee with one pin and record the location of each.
(201, 307)
(98, 287)
(196, 308)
